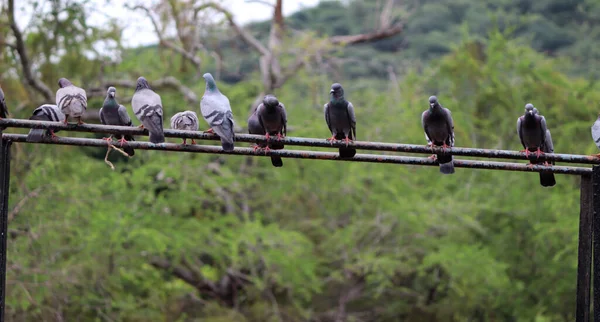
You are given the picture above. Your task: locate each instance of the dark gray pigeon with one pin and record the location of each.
(439, 131)
(187, 121)
(112, 113)
(3, 108)
(596, 133)
(254, 127)
(273, 119)
(46, 112)
(340, 118)
(71, 100)
(147, 107)
(216, 110)
(535, 137)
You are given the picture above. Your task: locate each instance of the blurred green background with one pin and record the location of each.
(192, 237)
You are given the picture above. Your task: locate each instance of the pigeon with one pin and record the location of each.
(340, 118)
(3, 108)
(272, 118)
(186, 120)
(147, 107)
(216, 110)
(596, 133)
(254, 127)
(112, 113)
(46, 112)
(71, 100)
(535, 137)
(439, 131)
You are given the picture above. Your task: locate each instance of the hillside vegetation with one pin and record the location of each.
(214, 238)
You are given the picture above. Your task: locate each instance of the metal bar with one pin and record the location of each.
(377, 146)
(584, 256)
(300, 154)
(596, 237)
(4, 191)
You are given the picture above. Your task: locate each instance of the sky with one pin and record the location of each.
(138, 30)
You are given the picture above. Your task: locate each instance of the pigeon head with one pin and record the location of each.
(211, 86)
(141, 84)
(111, 92)
(63, 82)
(433, 102)
(529, 109)
(535, 111)
(336, 92)
(270, 101)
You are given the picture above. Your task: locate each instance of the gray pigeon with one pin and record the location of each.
(46, 112)
(272, 118)
(187, 121)
(340, 118)
(596, 133)
(147, 107)
(535, 137)
(71, 100)
(3, 108)
(112, 113)
(216, 110)
(439, 131)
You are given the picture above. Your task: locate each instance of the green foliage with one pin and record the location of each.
(404, 243)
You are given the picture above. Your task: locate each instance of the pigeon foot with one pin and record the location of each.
(347, 140)
(279, 136)
(538, 152)
(331, 139)
(255, 147)
(141, 126)
(193, 141)
(526, 152)
(79, 121)
(267, 149)
(432, 157)
(445, 146)
(267, 136)
(184, 141)
(209, 131)
(122, 140)
(547, 164)
(52, 135)
(108, 139)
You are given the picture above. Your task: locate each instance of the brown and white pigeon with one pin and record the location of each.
(340, 118)
(187, 121)
(71, 100)
(439, 131)
(535, 137)
(46, 112)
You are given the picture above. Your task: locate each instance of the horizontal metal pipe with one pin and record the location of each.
(298, 154)
(373, 146)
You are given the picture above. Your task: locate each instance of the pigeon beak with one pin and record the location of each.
(331, 92)
(112, 94)
(432, 104)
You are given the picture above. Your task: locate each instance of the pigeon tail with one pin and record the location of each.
(547, 179)
(157, 137)
(129, 150)
(276, 161)
(35, 135)
(446, 163)
(447, 168)
(225, 132)
(155, 128)
(347, 152)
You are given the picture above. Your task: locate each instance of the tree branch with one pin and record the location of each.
(246, 36)
(167, 82)
(191, 56)
(368, 37)
(33, 81)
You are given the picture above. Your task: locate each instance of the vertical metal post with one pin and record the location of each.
(584, 256)
(4, 191)
(596, 230)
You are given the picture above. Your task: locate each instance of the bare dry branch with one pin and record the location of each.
(190, 56)
(368, 37)
(33, 81)
(162, 83)
(246, 36)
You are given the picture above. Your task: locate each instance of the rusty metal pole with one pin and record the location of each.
(584, 256)
(596, 237)
(4, 191)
